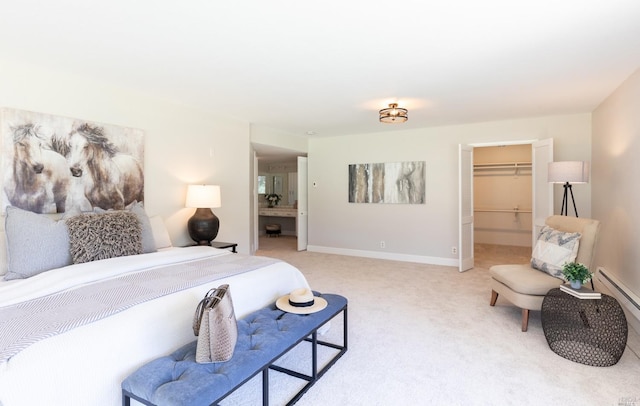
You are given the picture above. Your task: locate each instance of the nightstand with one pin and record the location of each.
(223, 245)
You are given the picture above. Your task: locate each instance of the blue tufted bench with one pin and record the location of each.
(263, 337)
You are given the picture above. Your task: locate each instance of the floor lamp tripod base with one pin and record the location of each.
(565, 200)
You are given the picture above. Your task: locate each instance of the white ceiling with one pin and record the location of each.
(329, 66)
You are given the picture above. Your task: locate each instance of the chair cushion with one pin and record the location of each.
(553, 249)
(522, 278)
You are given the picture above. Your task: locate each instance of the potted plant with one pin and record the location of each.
(273, 199)
(576, 274)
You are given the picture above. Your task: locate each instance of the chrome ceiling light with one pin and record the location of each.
(393, 114)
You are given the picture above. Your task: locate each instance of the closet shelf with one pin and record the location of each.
(504, 165)
(515, 166)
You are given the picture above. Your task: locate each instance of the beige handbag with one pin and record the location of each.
(215, 325)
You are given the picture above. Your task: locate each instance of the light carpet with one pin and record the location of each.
(426, 335)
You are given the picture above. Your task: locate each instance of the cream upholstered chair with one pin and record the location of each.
(525, 286)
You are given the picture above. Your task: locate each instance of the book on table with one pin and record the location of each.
(582, 293)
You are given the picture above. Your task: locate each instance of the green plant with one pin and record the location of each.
(273, 199)
(574, 271)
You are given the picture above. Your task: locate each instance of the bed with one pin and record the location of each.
(85, 365)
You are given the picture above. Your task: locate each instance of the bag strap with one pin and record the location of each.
(210, 300)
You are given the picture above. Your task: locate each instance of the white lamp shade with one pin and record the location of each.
(202, 196)
(568, 171)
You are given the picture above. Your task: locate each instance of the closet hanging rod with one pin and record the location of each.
(502, 211)
(503, 165)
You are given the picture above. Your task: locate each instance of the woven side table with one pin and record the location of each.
(589, 331)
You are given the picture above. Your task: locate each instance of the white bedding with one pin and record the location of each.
(85, 366)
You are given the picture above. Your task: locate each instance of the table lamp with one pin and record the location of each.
(203, 225)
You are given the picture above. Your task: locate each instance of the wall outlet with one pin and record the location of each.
(454, 250)
(382, 244)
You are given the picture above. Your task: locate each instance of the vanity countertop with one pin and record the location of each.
(278, 211)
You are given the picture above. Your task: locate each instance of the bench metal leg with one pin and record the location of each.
(315, 374)
(265, 387)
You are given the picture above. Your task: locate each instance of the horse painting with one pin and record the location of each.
(111, 179)
(37, 180)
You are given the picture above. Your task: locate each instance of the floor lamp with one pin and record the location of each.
(568, 172)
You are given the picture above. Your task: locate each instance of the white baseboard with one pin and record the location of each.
(384, 255)
(627, 299)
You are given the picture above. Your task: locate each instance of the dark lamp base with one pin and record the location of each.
(203, 226)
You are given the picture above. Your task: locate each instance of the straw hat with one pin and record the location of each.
(301, 301)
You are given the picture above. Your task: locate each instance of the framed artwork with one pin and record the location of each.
(400, 182)
(53, 164)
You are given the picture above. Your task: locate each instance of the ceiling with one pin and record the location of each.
(327, 67)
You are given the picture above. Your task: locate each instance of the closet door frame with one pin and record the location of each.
(542, 196)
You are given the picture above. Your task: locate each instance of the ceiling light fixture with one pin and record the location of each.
(393, 114)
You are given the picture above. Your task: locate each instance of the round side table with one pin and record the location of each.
(589, 331)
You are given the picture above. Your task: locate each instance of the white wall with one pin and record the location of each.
(425, 232)
(616, 194)
(179, 142)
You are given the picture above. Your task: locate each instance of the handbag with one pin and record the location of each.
(214, 322)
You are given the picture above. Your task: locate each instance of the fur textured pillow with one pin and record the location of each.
(110, 234)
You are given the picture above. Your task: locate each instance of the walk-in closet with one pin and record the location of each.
(502, 197)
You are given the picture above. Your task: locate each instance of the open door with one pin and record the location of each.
(465, 207)
(302, 218)
(256, 234)
(541, 155)
(542, 195)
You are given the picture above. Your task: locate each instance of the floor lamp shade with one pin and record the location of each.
(568, 172)
(203, 226)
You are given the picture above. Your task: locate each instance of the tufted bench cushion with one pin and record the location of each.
(263, 337)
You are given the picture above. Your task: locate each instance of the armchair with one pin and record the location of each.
(525, 286)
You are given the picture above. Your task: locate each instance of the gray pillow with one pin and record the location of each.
(553, 249)
(94, 236)
(35, 243)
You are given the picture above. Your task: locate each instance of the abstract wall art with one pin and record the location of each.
(398, 182)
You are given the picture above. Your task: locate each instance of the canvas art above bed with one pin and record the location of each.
(53, 164)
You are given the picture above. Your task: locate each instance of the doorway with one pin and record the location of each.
(541, 193)
(502, 201)
(282, 173)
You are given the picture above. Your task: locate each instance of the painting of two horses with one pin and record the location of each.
(53, 164)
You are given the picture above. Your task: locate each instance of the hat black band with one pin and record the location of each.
(301, 304)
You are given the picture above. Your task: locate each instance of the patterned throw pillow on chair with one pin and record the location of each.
(553, 249)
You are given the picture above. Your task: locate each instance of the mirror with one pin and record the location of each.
(277, 184)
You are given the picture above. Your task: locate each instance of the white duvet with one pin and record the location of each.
(85, 366)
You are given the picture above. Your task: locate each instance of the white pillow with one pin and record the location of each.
(160, 233)
(553, 249)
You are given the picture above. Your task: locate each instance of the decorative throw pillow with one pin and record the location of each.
(35, 243)
(95, 236)
(148, 242)
(553, 249)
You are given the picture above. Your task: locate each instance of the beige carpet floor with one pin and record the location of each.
(426, 335)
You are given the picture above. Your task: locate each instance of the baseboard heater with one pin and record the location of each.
(627, 299)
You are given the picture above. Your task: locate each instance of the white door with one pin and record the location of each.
(302, 219)
(256, 218)
(465, 207)
(541, 155)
